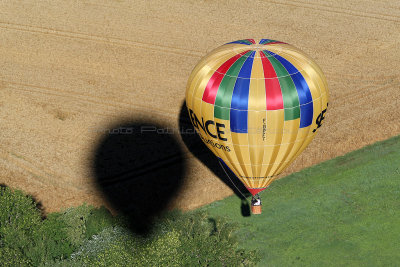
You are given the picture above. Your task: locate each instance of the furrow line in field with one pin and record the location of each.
(369, 90)
(89, 99)
(348, 12)
(101, 39)
(36, 170)
(345, 10)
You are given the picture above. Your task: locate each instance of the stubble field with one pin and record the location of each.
(71, 71)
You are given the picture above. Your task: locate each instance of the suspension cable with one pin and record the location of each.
(231, 180)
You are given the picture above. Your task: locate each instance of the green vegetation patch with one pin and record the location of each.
(88, 236)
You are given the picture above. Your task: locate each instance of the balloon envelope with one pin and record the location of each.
(257, 105)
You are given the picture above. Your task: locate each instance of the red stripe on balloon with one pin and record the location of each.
(273, 90)
(211, 90)
(277, 42)
(251, 41)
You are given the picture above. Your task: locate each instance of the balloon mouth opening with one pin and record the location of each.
(254, 191)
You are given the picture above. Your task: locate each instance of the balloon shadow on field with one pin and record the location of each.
(139, 167)
(200, 151)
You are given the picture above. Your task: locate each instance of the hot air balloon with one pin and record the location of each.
(257, 105)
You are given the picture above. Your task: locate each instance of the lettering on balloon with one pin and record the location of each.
(320, 118)
(205, 127)
(216, 145)
(264, 129)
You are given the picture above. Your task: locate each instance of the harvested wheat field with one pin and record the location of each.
(72, 70)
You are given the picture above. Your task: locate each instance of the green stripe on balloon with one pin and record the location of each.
(224, 95)
(289, 92)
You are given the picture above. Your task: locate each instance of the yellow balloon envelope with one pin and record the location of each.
(257, 105)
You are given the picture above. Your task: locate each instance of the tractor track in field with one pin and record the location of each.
(98, 101)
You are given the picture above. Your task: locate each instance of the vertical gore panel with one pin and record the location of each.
(225, 90)
(303, 91)
(240, 97)
(210, 92)
(289, 92)
(273, 93)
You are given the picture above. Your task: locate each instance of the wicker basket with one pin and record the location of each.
(256, 209)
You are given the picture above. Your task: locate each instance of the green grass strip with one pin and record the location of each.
(342, 212)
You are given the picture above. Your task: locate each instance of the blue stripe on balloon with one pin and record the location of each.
(264, 41)
(240, 97)
(303, 91)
